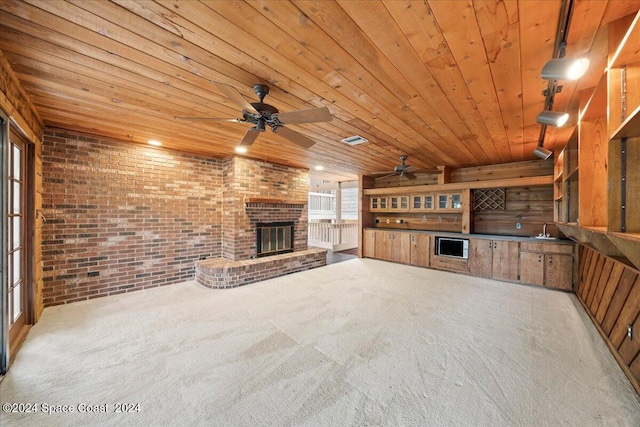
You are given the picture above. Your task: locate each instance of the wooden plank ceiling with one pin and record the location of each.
(452, 83)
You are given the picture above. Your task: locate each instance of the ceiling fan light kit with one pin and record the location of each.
(262, 115)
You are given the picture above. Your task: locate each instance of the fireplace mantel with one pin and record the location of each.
(254, 202)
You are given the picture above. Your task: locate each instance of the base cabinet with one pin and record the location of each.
(496, 259)
(544, 264)
(369, 243)
(393, 246)
(547, 265)
(420, 248)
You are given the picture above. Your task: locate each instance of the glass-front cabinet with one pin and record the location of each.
(449, 201)
(422, 202)
(399, 203)
(378, 204)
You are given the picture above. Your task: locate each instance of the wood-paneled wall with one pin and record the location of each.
(610, 293)
(531, 207)
(16, 104)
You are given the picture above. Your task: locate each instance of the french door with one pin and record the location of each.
(16, 234)
(16, 241)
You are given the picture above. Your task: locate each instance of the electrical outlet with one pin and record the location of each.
(630, 331)
(518, 226)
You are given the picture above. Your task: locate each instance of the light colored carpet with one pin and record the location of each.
(362, 342)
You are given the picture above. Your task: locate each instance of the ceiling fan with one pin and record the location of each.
(262, 115)
(404, 170)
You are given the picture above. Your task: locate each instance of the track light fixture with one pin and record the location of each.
(542, 152)
(552, 118)
(565, 69)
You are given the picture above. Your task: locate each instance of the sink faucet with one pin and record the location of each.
(544, 230)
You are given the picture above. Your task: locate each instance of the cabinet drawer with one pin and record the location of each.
(546, 248)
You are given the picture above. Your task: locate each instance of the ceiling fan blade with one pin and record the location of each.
(295, 137)
(409, 175)
(249, 137)
(305, 116)
(209, 119)
(381, 172)
(233, 94)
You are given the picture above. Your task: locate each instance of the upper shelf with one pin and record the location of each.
(630, 128)
(629, 48)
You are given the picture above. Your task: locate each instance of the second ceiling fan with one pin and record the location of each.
(262, 115)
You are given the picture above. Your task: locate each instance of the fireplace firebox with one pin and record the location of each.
(274, 238)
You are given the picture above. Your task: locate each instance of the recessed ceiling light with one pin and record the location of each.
(319, 168)
(154, 142)
(240, 149)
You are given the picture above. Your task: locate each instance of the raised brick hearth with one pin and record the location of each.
(222, 273)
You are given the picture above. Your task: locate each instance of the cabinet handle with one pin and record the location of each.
(539, 258)
(495, 245)
(489, 244)
(550, 259)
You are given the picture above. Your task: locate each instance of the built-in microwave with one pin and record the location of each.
(449, 246)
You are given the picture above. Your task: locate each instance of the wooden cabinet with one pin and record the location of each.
(480, 257)
(497, 259)
(540, 263)
(420, 249)
(393, 246)
(547, 264)
(378, 204)
(449, 201)
(398, 203)
(369, 244)
(422, 203)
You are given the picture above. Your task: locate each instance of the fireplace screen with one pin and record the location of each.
(274, 238)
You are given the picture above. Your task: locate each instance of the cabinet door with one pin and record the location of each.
(369, 244)
(401, 248)
(382, 247)
(559, 271)
(480, 257)
(456, 201)
(532, 268)
(404, 203)
(443, 201)
(505, 260)
(420, 250)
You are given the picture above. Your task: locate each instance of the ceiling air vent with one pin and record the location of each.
(354, 140)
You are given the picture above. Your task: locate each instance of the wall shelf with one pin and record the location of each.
(630, 127)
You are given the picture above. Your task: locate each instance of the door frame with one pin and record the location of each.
(7, 353)
(4, 309)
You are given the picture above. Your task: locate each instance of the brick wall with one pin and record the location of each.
(122, 216)
(245, 178)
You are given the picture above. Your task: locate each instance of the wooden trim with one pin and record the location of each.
(510, 182)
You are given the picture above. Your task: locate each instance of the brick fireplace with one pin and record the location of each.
(256, 192)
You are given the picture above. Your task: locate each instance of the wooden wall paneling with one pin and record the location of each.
(588, 280)
(365, 216)
(635, 367)
(619, 298)
(595, 280)
(628, 313)
(602, 283)
(630, 348)
(609, 291)
(584, 253)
